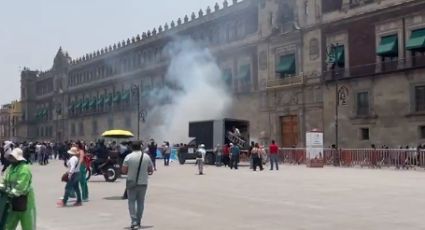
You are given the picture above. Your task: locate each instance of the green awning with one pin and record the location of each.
(92, 103)
(227, 75)
(244, 72)
(126, 95)
(117, 98)
(85, 104)
(388, 47)
(100, 101)
(337, 56)
(286, 64)
(71, 107)
(78, 105)
(417, 40)
(108, 100)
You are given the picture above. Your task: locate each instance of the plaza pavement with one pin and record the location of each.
(295, 197)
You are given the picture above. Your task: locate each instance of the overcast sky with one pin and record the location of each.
(31, 31)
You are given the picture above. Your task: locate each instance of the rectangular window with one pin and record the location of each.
(286, 65)
(422, 132)
(227, 77)
(81, 129)
(363, 104)
(331, 5)
(337, 56)
(420, 98)
(73, 132)
(128, 122)
(244, 76)
(110, 123)
(94, 127)
(364, 134)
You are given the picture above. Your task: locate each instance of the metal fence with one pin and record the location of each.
(372, 158)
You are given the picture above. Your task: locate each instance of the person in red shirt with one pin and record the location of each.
(226, 155)
(274, 151)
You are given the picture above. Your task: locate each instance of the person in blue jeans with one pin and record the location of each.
(73, 178)
(234, 158)
(274, 153)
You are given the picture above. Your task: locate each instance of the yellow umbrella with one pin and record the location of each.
(117, 134)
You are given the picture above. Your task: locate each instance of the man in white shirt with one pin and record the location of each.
(138, 166)
(200, 158)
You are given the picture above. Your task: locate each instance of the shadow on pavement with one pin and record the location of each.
(143, 227)
(113, 198)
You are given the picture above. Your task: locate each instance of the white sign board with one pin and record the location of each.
(314, 144)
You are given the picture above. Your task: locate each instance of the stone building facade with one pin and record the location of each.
(275, 56)
(10, 117)
(5, 114)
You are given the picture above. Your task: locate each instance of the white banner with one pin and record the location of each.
(314, 145)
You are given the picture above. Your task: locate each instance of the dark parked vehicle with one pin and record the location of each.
(213, 132)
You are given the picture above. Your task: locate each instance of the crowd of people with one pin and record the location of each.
(138, 160)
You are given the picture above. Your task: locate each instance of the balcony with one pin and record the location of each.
(374, 69)
(285, 82)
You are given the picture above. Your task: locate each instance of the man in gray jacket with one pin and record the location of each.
(138, 166)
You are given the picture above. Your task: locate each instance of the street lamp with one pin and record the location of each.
(340, 92)
(141, 114)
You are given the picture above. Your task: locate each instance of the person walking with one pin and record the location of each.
(167, 153)
(153, 147)
(17, 183)
(273, 152)
(234, 156)
(200, 158)
(83, 172)
(138, 166)
(256, 157)
(72, 178)
(218, 151)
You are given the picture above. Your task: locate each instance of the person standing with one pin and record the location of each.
(167, 153)
(200, 158)
(226, 155)
(138, 166)
(274, 151)
(251, 160)
(256, 157)
(17, 183)
(83, 172)
(153, 147)
(73, 178)
(234, 156)
(7, 149)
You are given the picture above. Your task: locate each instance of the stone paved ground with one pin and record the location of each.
(293, 198)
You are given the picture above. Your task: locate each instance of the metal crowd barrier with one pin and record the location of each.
(372, 158)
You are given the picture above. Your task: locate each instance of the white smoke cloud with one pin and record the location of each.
(194, 91)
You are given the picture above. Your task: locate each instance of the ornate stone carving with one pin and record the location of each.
(186, 18)
(216, 6)
(208, 10)
(173, 24)
(179, 21)
(200, 13)
(314, 49)
(225, 4)
(193, 16)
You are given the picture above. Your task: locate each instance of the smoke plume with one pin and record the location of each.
(194, 91)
